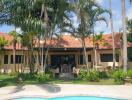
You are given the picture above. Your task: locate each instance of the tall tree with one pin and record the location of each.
(15, 40)
(88, 13)
(95, 16)
(39, 16)
(124, 35)
(29, 42)
(3, 43)
(83, 30)
(112, 32)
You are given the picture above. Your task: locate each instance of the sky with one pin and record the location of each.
(100, 26)
(116, 8)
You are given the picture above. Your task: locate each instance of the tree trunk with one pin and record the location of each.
(85, 54)
(39, 52)
(124, 36)
(31, 59)
(42, 59)
(14, 55)
(95, 51)
(112, 32)
(47, 51)
(95, 55)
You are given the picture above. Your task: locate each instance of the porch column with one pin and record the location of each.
(76, 59)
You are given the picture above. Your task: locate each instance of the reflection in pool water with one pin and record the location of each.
(70, 98)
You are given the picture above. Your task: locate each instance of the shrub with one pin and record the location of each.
(89, 76)
(103, 75)
(119, 76)
(43, 77)
(82, 75)
(93, 75)
(27, 76)
(13, 74)
(50, 73)
(129, 74)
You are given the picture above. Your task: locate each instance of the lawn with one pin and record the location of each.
(8, 80)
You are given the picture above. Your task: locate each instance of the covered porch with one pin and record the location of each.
(66, 59)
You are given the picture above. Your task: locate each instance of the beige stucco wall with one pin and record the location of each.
(106, 64)
(10, 67)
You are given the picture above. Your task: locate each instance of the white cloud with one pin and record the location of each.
(99, 1)
(117, 24)
(101, 26)
(18, 30)
(129, 13)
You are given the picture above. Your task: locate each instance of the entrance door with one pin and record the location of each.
(64, 62)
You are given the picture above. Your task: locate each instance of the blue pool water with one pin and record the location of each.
(70, 98)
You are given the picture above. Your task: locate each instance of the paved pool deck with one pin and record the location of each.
(59, 90)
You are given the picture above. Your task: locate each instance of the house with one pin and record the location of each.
(66, 50)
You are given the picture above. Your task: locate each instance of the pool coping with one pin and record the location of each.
(77, 91)
(64, 96)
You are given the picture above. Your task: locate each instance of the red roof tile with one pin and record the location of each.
(9, 38)
(68, 41)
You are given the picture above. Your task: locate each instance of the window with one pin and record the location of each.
(129, 54)
(108, 57)
(89, 58)
(82, 59)
(11, 59)
(18, 59)
(5, 59)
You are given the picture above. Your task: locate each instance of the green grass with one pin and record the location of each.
(7, 80)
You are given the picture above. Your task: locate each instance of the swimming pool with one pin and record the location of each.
(70, 98)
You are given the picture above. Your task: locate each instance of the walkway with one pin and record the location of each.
(57, 90)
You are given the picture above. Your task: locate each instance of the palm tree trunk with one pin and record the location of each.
(85, 54)
(95, 55)
(113, 35)
(42, 59)
(95, 51)
(14, 55)
(124, 36)
(47, 51)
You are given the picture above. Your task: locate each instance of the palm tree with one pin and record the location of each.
(14, 42)
(98, 38)
(83, 29)
(3, 12)
(112, 32)
(96, 15)
(39, 16)
(3, 43)
(28, 41)
(87, 17)
(124, 35)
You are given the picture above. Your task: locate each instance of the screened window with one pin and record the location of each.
(108, 57)
(82, 59)
(11, 59)
(89, 58)
(129, 54)
(18, 59)
(5, 59)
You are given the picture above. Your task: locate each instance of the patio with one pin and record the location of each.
(57, 90)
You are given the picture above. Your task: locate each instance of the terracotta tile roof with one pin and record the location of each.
(9, 38)
(68, 41)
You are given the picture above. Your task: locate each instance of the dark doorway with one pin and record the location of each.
(60, 60)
